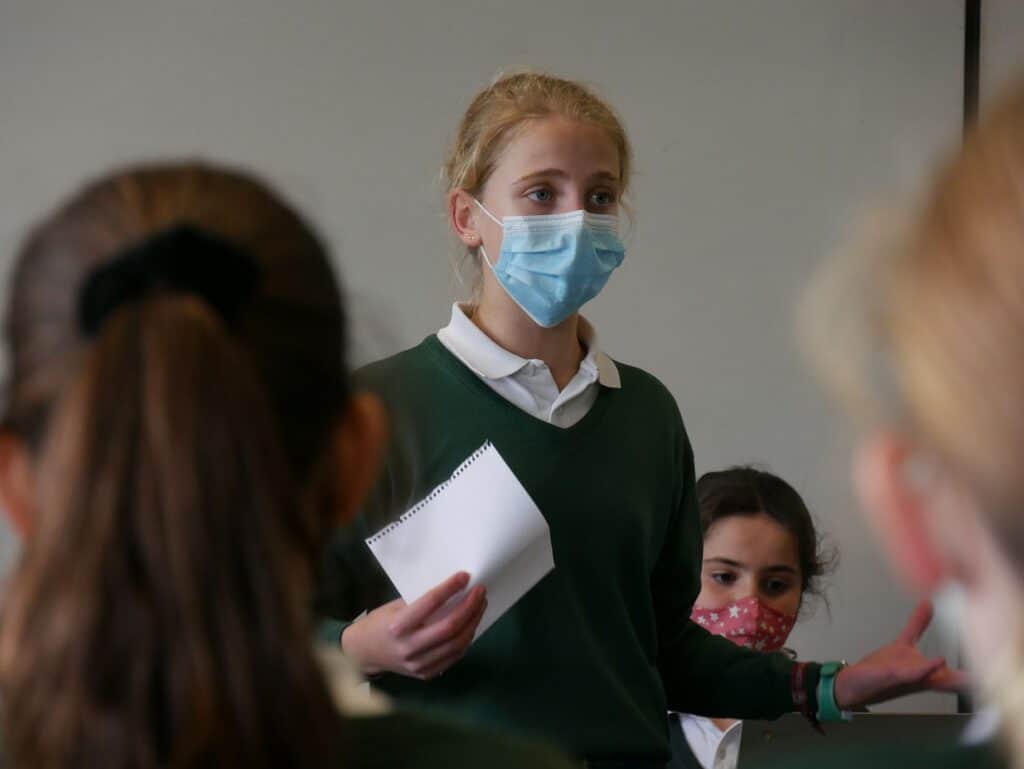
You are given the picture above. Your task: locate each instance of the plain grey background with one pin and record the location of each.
(761, 131)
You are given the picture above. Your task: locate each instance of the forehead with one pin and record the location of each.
(562, 143)
(756, 541)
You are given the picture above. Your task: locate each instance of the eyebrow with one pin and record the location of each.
(781, 567)
(725, 562)
(604, 175)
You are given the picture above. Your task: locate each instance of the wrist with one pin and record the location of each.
(353, 648)
(831, 702)
(803, 688)
(841, 690)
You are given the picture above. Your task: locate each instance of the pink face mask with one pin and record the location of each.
(747, 622)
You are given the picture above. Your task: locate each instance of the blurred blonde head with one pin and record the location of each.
(919, 328)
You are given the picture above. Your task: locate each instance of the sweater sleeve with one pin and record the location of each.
(350, 580)
(703, 673)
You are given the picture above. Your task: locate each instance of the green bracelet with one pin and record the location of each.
(828, 710)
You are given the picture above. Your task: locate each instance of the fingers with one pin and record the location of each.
(418, 611)
(435, 661)
(917, 675)
(441, 666)
(919, 620)
(931, 667)
(469, 611)
(949, 680)
(932, 675)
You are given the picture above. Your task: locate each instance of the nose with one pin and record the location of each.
(745, 589)
(574, 201)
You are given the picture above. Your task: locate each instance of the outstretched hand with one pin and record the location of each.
(897, 669)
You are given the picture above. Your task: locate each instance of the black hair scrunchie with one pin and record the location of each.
(182, 259)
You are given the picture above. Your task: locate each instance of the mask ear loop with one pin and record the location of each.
(455, 265)
(498, 222)
(493, 218)
(487, 259)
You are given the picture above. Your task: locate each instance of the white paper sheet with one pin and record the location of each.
(481, 521)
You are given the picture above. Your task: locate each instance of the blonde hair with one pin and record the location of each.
(925, 327)
(497, 114)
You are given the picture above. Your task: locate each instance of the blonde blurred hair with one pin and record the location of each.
(921, 325)
(496, 116)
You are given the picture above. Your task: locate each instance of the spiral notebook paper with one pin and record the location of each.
(481, 521)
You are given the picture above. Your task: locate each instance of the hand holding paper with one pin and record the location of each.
(414, 639)
(480, 521)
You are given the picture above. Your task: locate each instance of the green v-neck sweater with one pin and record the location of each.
(595, 654)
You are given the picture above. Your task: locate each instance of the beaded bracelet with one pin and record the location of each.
(803, 686)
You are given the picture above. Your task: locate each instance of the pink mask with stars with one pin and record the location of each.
(747, 622)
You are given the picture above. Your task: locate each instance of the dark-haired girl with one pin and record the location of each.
(762, 558)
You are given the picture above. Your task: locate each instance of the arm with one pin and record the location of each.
(389, 636)
(350, 580)
(708, 675)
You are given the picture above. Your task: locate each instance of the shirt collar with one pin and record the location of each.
(708, 726)
(607, 371)
(983, 727)
(487, 359)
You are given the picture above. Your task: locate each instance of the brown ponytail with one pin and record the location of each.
(157, 617)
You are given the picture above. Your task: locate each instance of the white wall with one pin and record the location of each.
(759, 128)
(1002, 45)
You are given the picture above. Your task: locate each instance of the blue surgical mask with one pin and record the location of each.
(552, 265)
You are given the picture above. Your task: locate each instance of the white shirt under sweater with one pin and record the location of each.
(712, 747)
(528, 384)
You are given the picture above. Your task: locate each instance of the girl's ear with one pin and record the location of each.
(16, 481)
(899, 502)
(462, 214)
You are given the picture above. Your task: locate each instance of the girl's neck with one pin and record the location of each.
(558, 347)
(723, 724)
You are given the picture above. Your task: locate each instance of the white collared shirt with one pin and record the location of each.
(528, 383)
(983, 727)
(712, 747)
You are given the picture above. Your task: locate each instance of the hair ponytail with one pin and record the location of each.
(166, 565)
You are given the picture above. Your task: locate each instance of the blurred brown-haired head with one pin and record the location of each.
(293, 327)
(158, 614)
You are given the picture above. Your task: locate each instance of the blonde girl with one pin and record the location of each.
(595, 654)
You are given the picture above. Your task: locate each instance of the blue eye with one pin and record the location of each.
(602, 199)
(542, 195)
